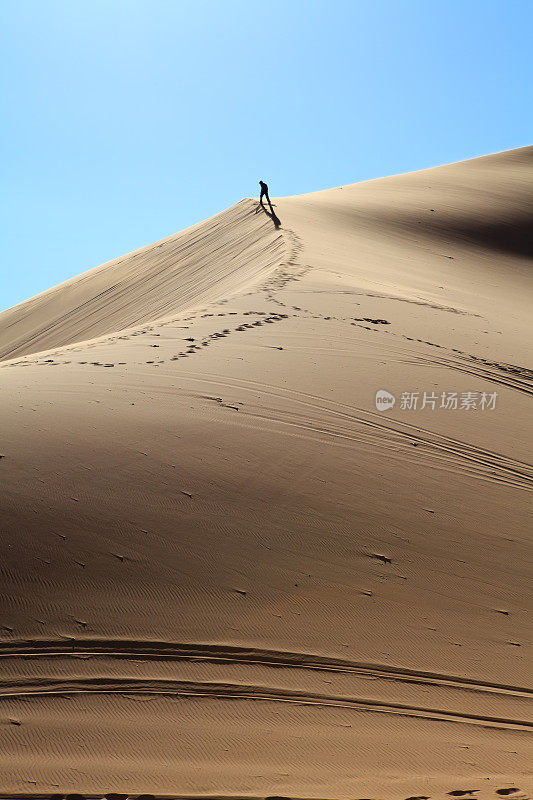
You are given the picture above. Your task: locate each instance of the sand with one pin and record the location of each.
(225, 572)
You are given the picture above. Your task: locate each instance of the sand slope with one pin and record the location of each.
(225, 572)
(204, 263)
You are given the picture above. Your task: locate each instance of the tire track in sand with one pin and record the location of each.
(218, 653)
(233, 691)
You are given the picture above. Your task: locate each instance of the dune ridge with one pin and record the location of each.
(202, 264)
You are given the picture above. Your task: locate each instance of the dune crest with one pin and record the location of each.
(225, 254)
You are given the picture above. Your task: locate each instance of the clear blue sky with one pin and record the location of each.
(127, 120)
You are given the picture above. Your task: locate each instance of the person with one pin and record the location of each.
(264, 193)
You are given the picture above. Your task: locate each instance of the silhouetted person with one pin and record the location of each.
(261, 206)
(264, 193)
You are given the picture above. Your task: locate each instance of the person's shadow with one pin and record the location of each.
(271, 213)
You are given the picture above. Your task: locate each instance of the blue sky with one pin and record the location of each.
(127, 120)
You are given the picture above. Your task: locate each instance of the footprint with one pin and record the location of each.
(373, 321)
(387, 560)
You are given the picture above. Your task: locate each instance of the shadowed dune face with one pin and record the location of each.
(513, 237)
(486, 203)
(225, 571)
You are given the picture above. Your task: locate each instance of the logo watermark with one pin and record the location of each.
(384, 400)
(447, 401)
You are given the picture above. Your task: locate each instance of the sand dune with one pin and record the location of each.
(225, 572)
(216, 258)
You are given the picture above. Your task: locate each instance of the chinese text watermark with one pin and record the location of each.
(447, 401)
